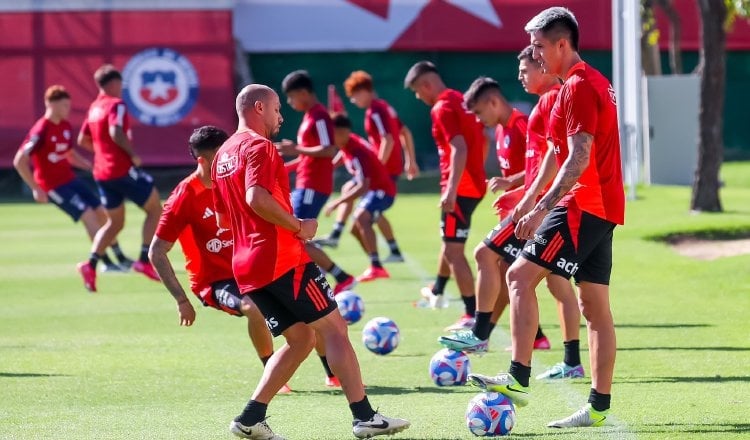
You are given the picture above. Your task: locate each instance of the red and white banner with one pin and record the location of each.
(461, 25)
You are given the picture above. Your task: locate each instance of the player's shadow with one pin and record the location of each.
(380, 390)
(684, 379)
(664, 325)
(31, 375)
(709, 348)
(697, 428)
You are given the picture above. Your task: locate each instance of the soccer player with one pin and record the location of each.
(462, 148)
(188, 216)
(569, 230)
(314, 167)
(251, 195)
(371, 181)
(44, 161)
(106, 132)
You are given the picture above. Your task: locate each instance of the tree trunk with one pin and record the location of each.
(713, 82)
(650, 58)
(675, 35)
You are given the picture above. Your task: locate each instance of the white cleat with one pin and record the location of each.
(378, 425)
(259, 431)
(436, 301)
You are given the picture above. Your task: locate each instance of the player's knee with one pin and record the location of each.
(300, 337)
(518, 282)
(454, 252)
(484, 256)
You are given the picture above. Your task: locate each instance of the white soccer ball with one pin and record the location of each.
(490, 415)
(449, 367)
(380, 335)
(350, 306)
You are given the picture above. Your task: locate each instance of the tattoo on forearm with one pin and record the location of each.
(571, 170)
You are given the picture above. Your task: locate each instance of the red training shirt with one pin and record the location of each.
(48, 144)
(536, 134)
(315, 172)
(362, 163)
(188, 216)
(450, 118)
(510, 145)
(110, 160)
(263, 251)
(587, 104)
(381, 119)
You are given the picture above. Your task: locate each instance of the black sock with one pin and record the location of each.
(338, 228)
(93, 259)
(520, 372)
(338, 273)
(482, 323)
(326, 367)
(572, 352)
(393, 246)
(106, 260)
(599, 401)
(375, 260)
(470, 304)
(540, 333)
(253, 413)
(362, 410)
(439, 287)
(144, 254)
(265, 359)
(118, 252)
(491, 328)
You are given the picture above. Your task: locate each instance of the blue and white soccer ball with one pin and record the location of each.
(380, 335)
(490, 415)
(449, 367)
(351, 306)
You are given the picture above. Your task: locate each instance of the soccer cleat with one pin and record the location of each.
(286, 389)
(435, 301)
(146, 269)
(88, 274)
(394, 258)
(584, 417)
(329, 241)
(378, 425)
(464, 340)
(465, 322)
(111, 268)
(503, 383)
(125, 263)
(259, 431)
(562, 370)
(542, 343)
(333, 382)
(347, 284)
(372, 273)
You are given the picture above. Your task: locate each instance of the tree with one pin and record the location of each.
(716, 17)
(650, 55)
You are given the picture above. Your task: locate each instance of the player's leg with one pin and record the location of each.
(124, 263)
(569, 315)
(320, 348)
(344, 280)
(373, 204)
(387, 230)
(434, 294)
(343, 212)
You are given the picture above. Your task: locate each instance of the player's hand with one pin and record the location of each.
(498, 184)
(529, 223)
(136, 159)
(187, 313)
(412, 170)
(39, 195)
(524, 207)
(308, 229)
(448, 202)
(286, 147)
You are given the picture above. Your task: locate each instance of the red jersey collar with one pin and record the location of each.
(445, 94)
(514, 114)
(581, 65)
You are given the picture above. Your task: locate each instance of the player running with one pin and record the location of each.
(45, 160)
(569, 231)
(370, 180)
(462, 148)
(106, 132)
(251, 192)
(314, 167)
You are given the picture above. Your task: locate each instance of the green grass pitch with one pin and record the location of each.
(115, 365)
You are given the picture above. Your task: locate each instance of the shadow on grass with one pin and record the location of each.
(716, 348)
(685, 379)
(696, 428)
(671, 325)
(376, 390)
(31, 375)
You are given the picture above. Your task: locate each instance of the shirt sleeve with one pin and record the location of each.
(172, 221)
(33, 139)
(448, 120)
(379, 118)
(581, 111)
(118, 115)
(324, 131)
(259, 165)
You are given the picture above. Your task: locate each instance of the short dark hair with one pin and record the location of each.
(105, 74)
(297, 80)
(206, 138)
(479, 88)
(340, 120)
(418, 70)
(555, 23)
(528, 54)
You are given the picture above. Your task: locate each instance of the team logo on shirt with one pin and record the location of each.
(226, 165)
(160, 86)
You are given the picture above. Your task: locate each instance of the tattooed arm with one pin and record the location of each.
(578, 160)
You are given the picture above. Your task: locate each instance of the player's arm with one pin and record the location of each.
(410, 157)
(291, 165)
(289, 148)
(503, 183)
(22, 164)
(458, 155)
(118, 134)
(78, 161)
(84, 138)
(157, 253)
(262, 202)
(546, 173)
(360, 187)
(386, 148)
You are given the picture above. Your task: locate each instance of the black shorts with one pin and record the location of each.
(300, 295)
(223, 295)
(503, 241)
(573, 243)
(455, 226)
(137, 186)
(74, 198)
